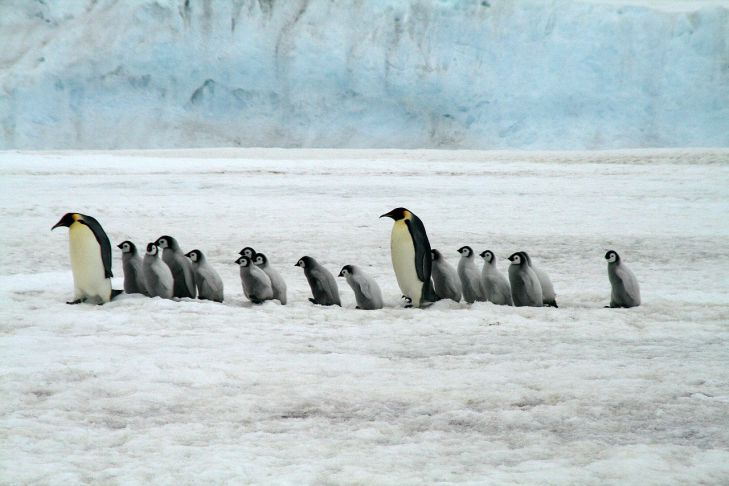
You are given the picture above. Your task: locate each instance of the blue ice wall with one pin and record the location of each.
(356, 73)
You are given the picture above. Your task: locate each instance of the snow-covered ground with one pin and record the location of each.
(147, 390)
(485, 74)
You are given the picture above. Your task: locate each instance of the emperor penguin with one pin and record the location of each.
(277, 282)
(411, 257)
(548, 296)
(207, 280)
(323, 285)
(446, 281)
(90, 253)
(247, 251)
(625, 289)
(366, 291)
(525, 287)
(180, 266)
(157, 275)
(256, 284)
(132, 266)
(470, 276)
(495, 286)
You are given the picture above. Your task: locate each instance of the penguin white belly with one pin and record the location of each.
(89, 277)
(403, 261)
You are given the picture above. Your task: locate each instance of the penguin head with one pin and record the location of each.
(435, 255)
(152, 249)
(346, 270)
(167, 242)
(466, 251)
(260, 259)
(398, 214)
(195, 255)
(247, 251)
(487, 255)
(68, 219)
(243, 261)
(305, 262)
(127, 247)
(517, 258)
(612, 256)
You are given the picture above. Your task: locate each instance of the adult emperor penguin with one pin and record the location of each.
(277, 282)
(625, 289)
(548, 296)
(90, 253)
(180, 266)
(157, 275)
(493, 282)
(366, 291)
(132, 266)
(445, 278)
(256, 284)
(470, 276)
(208, 282)
(525, 287)
(323, 285)
(411, 257)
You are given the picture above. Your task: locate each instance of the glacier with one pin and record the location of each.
(496, 74)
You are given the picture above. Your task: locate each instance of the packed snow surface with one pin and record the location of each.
(143, 390)
(564, 74)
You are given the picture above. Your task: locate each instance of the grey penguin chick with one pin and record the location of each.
(247, 251)
(323, 285)
(525, 287)
(157, 275)
(549, 298)
(495, 286)
(207, 280)
(625, 289)
(366, 291)
(470, 276)
(180, 266)
(277, 282)
(446, 281)
(132, 266)
(256, 284)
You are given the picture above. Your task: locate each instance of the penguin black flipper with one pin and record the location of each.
(103, 240)
(423, 258)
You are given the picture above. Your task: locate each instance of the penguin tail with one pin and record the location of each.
(551, 304)
(115, 293)
(429, 292)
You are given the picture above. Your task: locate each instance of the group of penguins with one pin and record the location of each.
(423, 274)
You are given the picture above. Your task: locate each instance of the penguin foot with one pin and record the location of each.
(115, 292)
(77, 301)
(313, 301)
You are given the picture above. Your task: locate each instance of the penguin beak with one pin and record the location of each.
(389, 215)
(67, 220)
(119, 246)
(341, 274)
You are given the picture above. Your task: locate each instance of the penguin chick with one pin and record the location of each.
(625, 289)
(411, 259)
(366, 291)
(548, 296)
(322, 282)
(256, 284)
(525, 287)
(158, 277)
(90, 252)
(180, 266)
(446, 281)
(495, 286)
(247, 251)
(470, 276)
(208, 282)
(132, 266)
(277, 282)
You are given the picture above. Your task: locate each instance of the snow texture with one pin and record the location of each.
(390, 73)
(143, 390)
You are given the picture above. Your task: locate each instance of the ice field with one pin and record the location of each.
(147, 390)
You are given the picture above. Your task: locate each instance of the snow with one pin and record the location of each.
(146, 390)
(497, 74)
